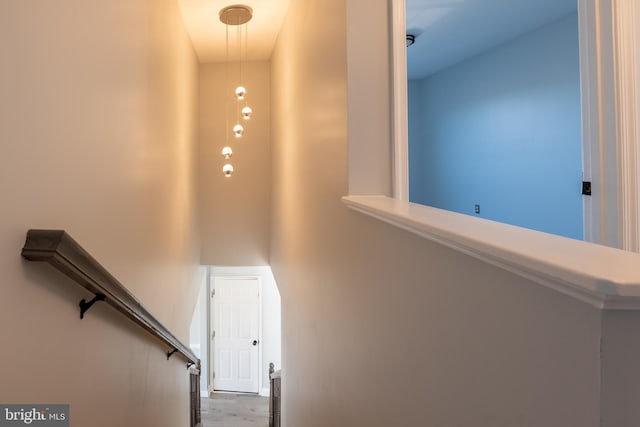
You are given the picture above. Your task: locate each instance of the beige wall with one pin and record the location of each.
(380, 327)
(98, 137)
(235, 211)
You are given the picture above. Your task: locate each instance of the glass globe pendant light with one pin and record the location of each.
(238, 130)
(227, 170)
(246, 112)
(241, 92)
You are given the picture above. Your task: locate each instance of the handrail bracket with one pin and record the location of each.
(85, 306)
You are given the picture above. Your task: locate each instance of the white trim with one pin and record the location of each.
(608, 70)
(400, 111)
(212, 348)
(625, 57)
(604, 277)
(600, 163)
(260, 340)
(265, 391)
(590, 113)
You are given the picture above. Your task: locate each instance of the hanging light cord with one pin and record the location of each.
(239, 43)
(226, 78)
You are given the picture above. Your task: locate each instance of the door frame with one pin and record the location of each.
(609, 39)
(626, 18)
(609, 67)
(210, 313)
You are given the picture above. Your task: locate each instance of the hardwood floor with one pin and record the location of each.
(235, 410)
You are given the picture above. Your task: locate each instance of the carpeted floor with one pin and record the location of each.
(235, 410)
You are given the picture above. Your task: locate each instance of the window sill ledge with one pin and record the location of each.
(604, 277)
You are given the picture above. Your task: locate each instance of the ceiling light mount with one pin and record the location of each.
(236, 14)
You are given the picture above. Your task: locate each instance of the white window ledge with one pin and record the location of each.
(601, 276)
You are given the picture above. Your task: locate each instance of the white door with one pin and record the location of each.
(235, 334)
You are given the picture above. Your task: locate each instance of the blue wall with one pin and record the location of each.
(503, 130)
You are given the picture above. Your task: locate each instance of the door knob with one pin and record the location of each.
(255, 342)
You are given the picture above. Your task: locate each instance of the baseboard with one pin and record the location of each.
(264, 392)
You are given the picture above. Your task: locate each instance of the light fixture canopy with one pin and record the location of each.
(236, 14)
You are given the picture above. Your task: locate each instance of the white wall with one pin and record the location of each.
(381, 327)
(235, 211)
(271, 317)
(98, 137)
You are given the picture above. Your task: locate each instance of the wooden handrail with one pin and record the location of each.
(58, 249)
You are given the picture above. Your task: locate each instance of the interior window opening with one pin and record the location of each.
(494, 111)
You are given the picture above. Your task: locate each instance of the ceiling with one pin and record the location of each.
(449, 31)
(208, 34)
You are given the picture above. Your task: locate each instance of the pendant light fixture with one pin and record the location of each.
(235, 16)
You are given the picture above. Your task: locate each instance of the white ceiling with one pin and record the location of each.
(449, 31)
(208, 34)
